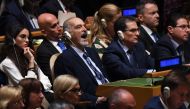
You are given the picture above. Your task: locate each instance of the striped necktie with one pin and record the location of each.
(98, 74)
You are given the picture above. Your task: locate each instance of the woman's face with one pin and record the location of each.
(22, 39)
(73, 96)
(35, 99)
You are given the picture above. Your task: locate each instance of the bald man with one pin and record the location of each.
(121, 99)
(52, 43)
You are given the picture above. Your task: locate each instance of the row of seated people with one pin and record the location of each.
(79, 60)
(26, 12)
(29, 94)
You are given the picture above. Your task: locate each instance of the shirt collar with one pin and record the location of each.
(148, 30)
(175, 44)
(125, 48)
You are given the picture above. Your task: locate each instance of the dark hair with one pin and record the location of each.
(12, 33)
(30, 85)
(120, 23)
(140, 6)
(174, 80)
(173, 18)
(15, 53)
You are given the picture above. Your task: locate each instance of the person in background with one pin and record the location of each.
(3, 19)
(81, 61)
(54, 6)
(17, 58)
(173, 42)
(32, 93)
(147, 15)
(121, 99)
(11, 97)
(102, 29)
(52, 42)
(126, 57)
(66, 88)
(60, 105)
(174, 91)
(22, 12)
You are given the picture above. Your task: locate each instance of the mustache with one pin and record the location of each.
(85, 34)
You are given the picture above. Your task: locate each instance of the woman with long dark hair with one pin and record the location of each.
(17, 59)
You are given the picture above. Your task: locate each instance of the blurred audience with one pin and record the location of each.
(60, 105)
(54, 6)
(174, 91)
(121, 99)
(11, 98)
(23, 12)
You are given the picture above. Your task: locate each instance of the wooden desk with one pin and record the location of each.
(158, 74)
(142, 93)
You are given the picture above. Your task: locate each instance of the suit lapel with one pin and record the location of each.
(121, 51)
(50, 46)
(146, 35)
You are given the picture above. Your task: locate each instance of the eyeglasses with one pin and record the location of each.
(183, 27)
(133, 30)
(76, 91)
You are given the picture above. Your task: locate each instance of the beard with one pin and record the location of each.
(84, 42)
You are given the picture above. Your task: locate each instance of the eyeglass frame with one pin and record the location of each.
(183, 27)
(134, 30)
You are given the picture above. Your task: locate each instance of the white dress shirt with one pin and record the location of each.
(14, 75)
(54, 43)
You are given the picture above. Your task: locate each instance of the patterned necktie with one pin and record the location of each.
(154, 34)
(97, 73)
(61, 45)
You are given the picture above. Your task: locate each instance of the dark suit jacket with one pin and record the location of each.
(43, 55)
(69, 62)
(117, 63)
(14, 14)
(155, 103)
(53, 6)
(164, 48)
(146, 39)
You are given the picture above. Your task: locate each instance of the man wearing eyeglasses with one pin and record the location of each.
(125, 57)
(172, 44)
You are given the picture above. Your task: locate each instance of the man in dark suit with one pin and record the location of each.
(126, 57)
(172, 44)
(50, 45)
(174, 90)
(147, 14)
(22, 13)
(81, 61)
(54, 6)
